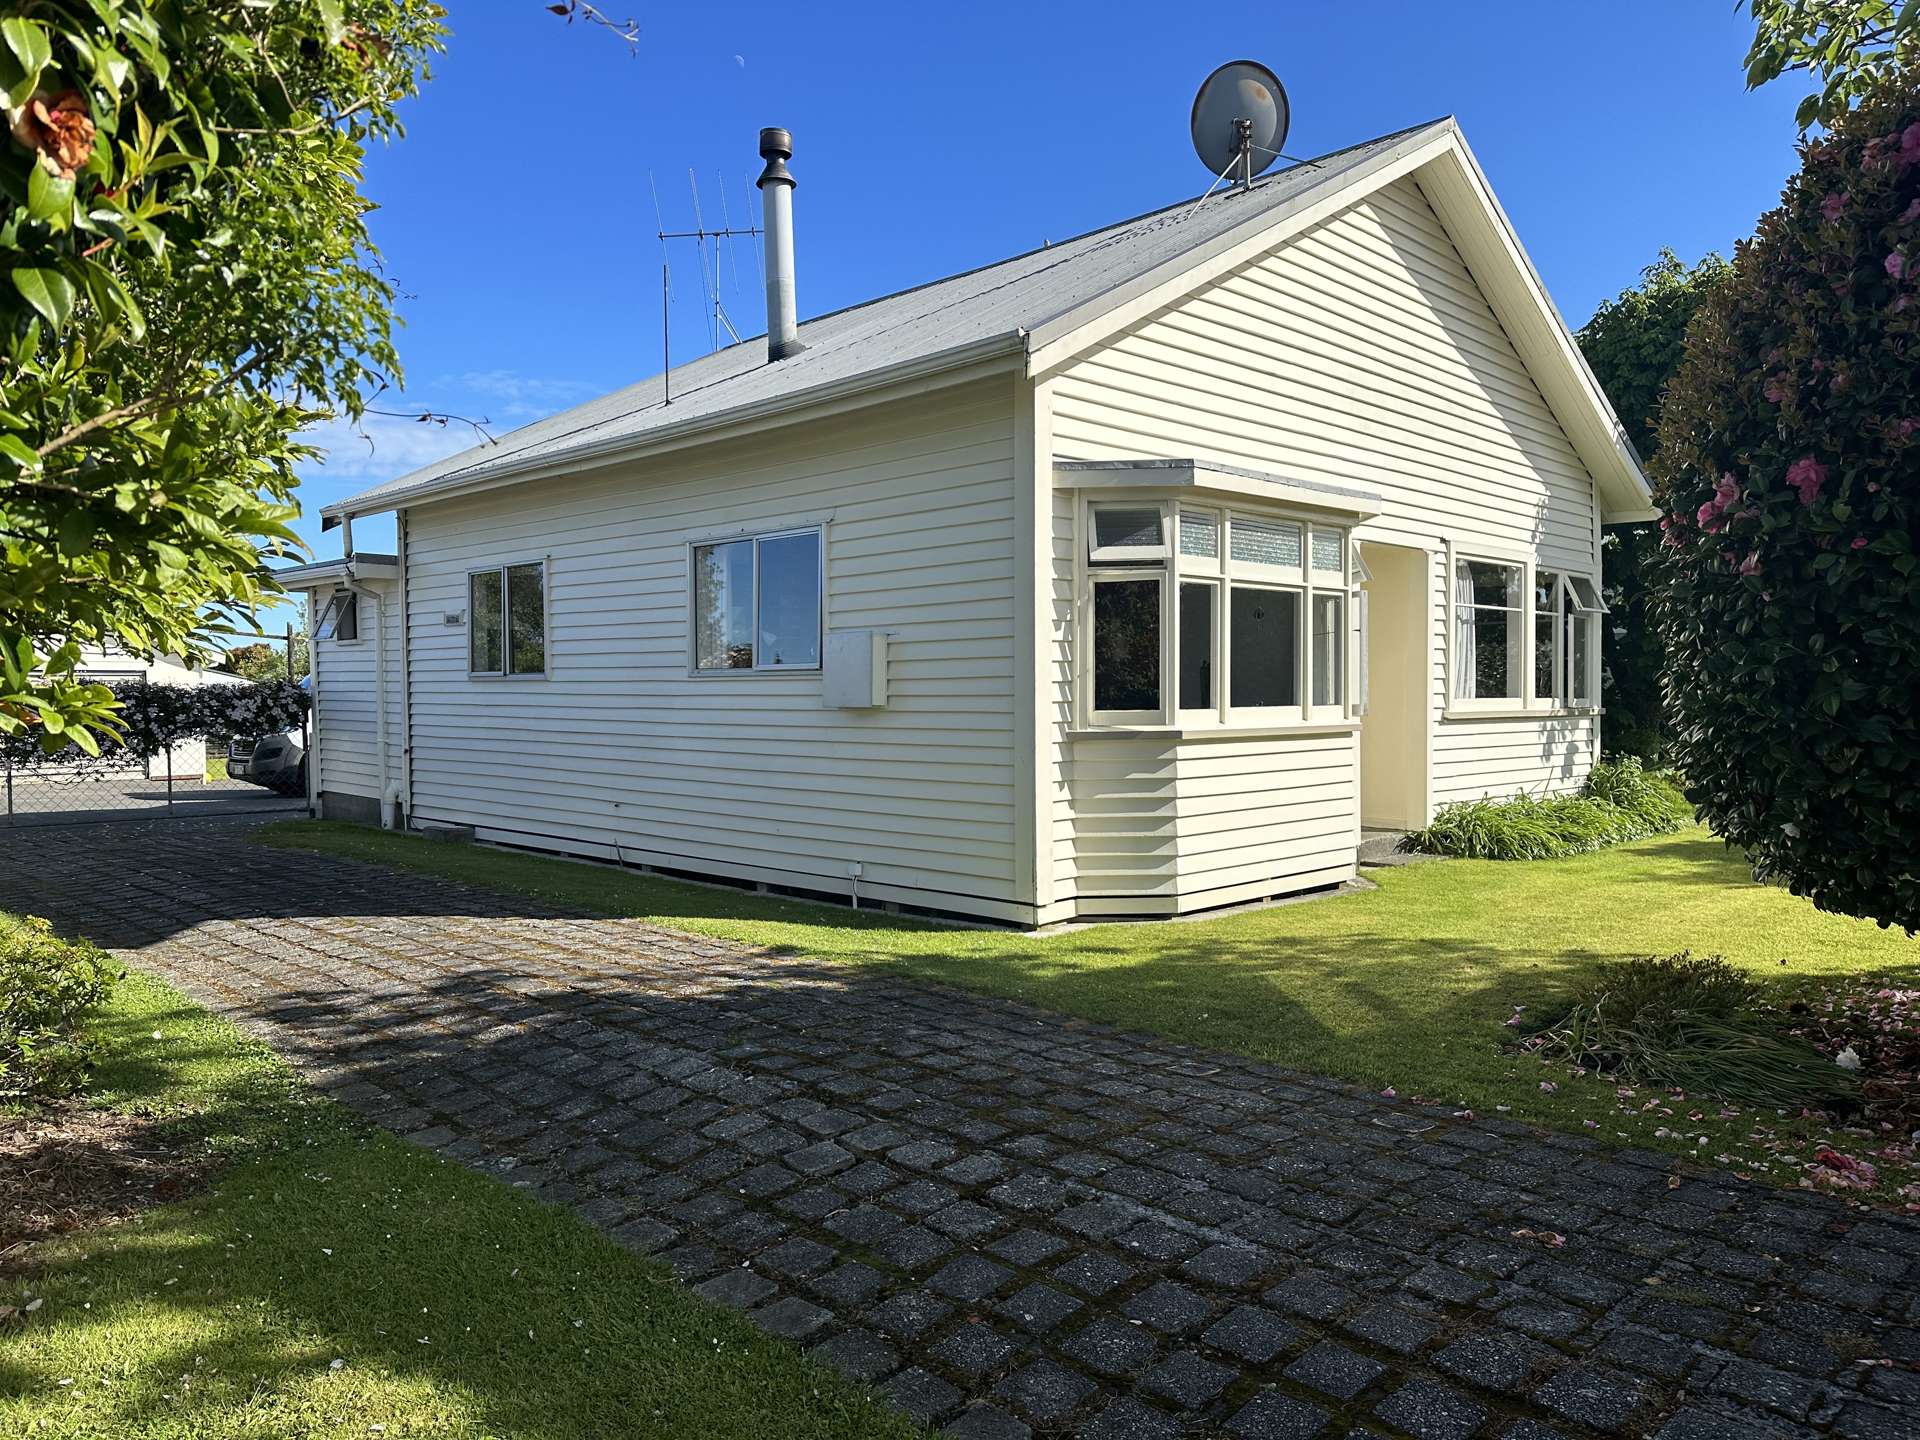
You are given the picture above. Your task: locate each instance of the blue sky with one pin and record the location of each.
(518, 220)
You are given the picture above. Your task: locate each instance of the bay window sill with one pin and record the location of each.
(1213, 732)
(1520, 712)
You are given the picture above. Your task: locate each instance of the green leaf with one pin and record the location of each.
(18, 449)
(332, 17)
(49, 198)
(31, 49)
(76, 531)
(47, 291)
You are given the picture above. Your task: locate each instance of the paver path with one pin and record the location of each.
(1008, 1219)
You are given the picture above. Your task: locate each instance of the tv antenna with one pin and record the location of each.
(1240, 119)
(708, 244)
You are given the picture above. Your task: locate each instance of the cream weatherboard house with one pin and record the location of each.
(1134, 575)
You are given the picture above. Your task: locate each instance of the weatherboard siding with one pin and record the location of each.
(1360, 353)
(1189, 823)
(619, 752)
(345, 726)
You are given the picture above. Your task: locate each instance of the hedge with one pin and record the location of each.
(153, 718)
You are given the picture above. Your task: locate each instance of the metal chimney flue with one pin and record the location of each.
(776, 198)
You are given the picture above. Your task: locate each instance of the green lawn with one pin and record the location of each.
(335, 1281)
(1406, 986)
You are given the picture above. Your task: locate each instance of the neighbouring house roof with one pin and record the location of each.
(361, 566)
(1040, 298)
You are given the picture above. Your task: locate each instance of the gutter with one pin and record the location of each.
(481, 477)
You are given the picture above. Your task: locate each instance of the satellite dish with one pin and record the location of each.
(1240, 119)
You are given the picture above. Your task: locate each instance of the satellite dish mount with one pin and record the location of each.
(1243, 141)
(1240, 120)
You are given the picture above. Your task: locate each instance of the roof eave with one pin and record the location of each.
(332, 572)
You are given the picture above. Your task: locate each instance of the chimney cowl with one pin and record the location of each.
(777, 184)
(776, 148)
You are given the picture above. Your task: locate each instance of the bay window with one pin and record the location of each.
(1199, 615)
(1524, 637)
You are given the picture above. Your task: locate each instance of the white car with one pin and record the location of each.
(278, 762)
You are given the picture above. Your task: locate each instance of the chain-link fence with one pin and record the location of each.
(197, 743)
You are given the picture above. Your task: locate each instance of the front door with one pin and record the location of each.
(1394, 748)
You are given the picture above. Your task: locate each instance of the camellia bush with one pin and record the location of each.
(1787, 592)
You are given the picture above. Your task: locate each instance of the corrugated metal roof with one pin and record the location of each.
(960, 315)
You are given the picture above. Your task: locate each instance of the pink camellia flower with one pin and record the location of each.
(1859, 542)
(1907, 426)
(1834, 205)
(1775, 389)
(1751, 565)
(1807, 475)
(1910, 145)
(1896, 264)
(1911, 213)
(1712, 515)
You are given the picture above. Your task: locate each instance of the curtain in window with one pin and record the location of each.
(1466, 640)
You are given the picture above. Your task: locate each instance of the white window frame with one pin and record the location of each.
(333, 636)
(545, 562)
(1106, 556)
(1587, 610)
(1224, 574)
(697, 543)
(1567, 581)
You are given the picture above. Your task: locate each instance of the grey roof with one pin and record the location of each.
(978, 312)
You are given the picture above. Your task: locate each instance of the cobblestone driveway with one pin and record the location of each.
(1010, 1221)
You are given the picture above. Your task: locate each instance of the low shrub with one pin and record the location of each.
(1651, 798)
(47, 985)
(1621, 801)
(1692, 1024)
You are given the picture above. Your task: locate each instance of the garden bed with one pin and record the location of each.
(66, 1166)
